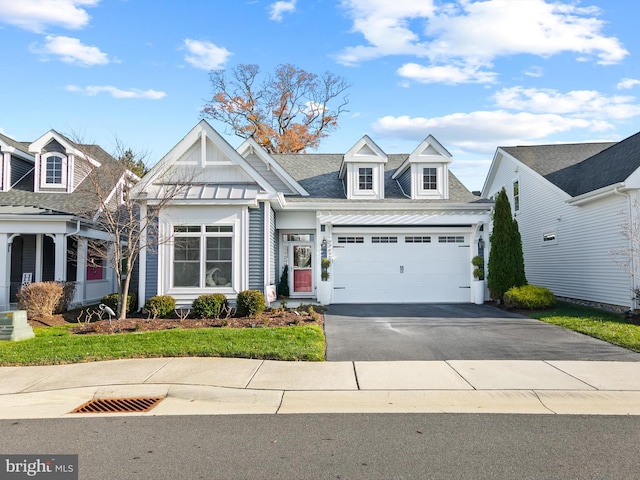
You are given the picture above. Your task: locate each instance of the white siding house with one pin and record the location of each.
(571, 202)
(246, 215)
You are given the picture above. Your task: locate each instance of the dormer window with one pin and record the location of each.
(365, 178)
(53, 170)
(430, 178)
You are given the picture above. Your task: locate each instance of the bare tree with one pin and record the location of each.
(119, 215)
(287, 113)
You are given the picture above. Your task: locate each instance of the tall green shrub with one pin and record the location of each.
(506, 261)
(250, 303)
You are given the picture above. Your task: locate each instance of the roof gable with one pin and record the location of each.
(202, 157)
(365, 150)
(430, 150)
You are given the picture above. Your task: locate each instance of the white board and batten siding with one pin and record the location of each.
(579, 262)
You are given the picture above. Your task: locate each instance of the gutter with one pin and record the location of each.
(614, 189)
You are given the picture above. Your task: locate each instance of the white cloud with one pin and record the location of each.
(71, 50)
(205, 55)
(277, 9)
(627, 83)
(36, 15)
(115, 92)
(482, 131)
(534, 71)
(450, 74)
(588, 104)
(470, 35)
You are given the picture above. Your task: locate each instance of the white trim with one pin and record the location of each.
(597, 194)
(65, 161)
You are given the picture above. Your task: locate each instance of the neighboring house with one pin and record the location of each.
(47, 205)
(571, 202)
(396, 227)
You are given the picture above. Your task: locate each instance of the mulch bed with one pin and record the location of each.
(137, 323)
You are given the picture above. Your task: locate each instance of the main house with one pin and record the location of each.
(48, 204)
(394, 227)
(572, 202)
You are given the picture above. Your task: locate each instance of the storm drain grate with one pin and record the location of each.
(119, 405)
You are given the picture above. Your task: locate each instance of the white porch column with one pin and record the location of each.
(5, 267)
(60, 271)
(81, 271)
(39, 262)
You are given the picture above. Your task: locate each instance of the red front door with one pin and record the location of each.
(302, 271)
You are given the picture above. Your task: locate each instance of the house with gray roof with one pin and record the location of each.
(355, 227)
(574, 203)
(48, 205)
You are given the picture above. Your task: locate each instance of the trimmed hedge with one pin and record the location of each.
(531, 297)
(160, 306)
(250, 303)
(211, 305)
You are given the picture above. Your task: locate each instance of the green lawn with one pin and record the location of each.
(55, 345)
(607, 326)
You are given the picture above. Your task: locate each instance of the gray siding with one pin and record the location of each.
(405, 182)
(19, 168)
(151, 273)
(256, 248)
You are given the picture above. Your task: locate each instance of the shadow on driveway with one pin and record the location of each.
(383, 332)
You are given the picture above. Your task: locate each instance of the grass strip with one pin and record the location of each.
(56, 345)
(607, 326)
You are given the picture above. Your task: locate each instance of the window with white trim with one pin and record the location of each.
(516, 195)
(429, 178)
(365, 178)
(549, 238)
(53, 172)
(202, 256)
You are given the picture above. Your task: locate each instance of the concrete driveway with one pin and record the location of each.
(454, 332)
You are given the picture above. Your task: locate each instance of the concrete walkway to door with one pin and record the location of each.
(384, 332)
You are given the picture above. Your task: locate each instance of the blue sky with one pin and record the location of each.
(474, 74)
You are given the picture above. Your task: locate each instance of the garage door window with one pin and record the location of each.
(417, 239)
(350, 239)
(384, 239)
(450, 239)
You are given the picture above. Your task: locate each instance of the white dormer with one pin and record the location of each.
(55, 163)
(425, 174)
(362, 171)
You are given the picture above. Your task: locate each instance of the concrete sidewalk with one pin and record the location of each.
(212, 386)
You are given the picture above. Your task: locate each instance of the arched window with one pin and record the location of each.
(54, 170)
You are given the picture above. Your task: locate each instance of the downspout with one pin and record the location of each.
(632, 223)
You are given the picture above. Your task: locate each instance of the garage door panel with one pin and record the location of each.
(401, 272)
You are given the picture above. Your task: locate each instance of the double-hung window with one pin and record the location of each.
(203, 256)
(516, 195)
(365, 178)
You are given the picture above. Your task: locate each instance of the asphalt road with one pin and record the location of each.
(384, 332)
(300, 447)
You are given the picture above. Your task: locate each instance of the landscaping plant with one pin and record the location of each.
(160, 306)
(40, 299)
(532, 297)
(211, 305)
(506, 261)
(250, 303)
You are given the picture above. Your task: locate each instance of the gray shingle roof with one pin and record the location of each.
(82, 201)
(22, 146)
(318, 175)
(579, 167)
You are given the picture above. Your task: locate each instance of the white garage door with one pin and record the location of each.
(403, 268)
